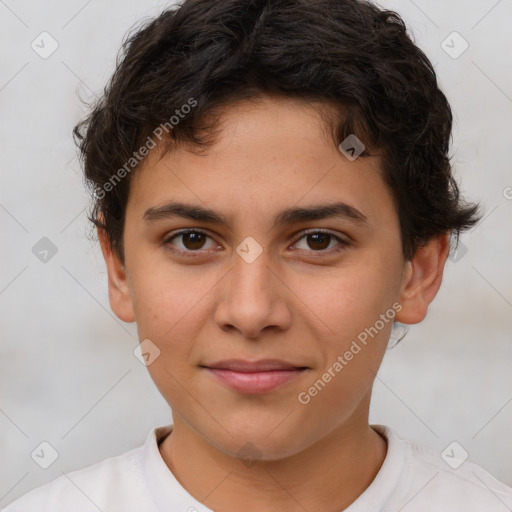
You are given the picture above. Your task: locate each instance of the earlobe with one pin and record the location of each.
(118, 287)
(422, 279)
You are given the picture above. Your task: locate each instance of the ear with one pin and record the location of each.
(118, 286)
(422, 279)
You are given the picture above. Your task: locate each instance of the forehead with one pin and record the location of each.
(269, 155)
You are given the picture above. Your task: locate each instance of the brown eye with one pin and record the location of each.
(320, 241)
(192, 240)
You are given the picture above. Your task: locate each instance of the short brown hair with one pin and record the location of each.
(349, 53)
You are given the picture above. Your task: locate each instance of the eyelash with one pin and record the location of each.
(192, 254)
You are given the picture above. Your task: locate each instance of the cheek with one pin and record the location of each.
(167, 298)
(352, 352)
(348, 304)
(347, 300)
(171, 317)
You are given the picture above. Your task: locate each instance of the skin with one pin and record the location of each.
(297, 301)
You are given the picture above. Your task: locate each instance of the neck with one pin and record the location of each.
(329, 475)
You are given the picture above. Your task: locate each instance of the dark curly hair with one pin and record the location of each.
(347, 54)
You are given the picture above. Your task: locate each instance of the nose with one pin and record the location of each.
(253, 297)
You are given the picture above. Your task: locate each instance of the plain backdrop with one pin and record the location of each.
(67, 370)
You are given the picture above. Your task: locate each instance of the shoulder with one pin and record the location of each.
(449, 481)
(111, 484)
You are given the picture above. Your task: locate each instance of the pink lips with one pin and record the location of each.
(254, 377)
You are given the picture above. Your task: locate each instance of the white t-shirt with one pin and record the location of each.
(412, 479)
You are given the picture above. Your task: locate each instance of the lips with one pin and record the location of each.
(264, 365)
(254, 377)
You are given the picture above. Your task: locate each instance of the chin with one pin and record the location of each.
(250, 444)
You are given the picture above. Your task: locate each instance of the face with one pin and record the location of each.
(266, 274)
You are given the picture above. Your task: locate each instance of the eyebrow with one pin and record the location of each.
(288, 216)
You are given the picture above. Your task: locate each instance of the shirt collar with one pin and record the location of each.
(384, 485)
(165, 489)
(168, 493)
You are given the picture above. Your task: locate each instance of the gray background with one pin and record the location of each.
(67, 371)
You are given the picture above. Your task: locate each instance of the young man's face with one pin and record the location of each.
(205, 299)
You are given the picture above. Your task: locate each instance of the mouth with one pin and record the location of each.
(254, 377)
